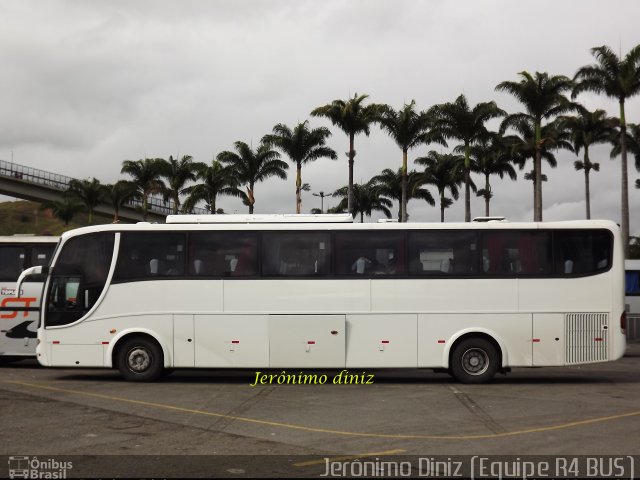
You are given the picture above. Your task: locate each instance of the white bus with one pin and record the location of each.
(19, 316)
(296, 292)
(632, 296)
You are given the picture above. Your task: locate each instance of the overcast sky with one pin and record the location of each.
(87, 84)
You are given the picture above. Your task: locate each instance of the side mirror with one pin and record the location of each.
(27, 273)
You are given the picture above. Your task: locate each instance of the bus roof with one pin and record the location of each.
(290, 225)
(270, 218)
(28, 238)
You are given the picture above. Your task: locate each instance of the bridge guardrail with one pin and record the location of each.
(61, 182)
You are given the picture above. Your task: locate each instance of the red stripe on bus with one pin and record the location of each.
(311, 342)
(598, 339)
(442, 341)
(56, 342)
(385, 341)
(235, 341)
(105, 343)
(536, 340)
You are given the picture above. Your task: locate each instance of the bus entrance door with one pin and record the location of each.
(315, 341)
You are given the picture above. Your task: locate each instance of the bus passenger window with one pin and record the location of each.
(632, 283)
(300, 254)
(516, 253)
(144, 255)
(369, 253)
(442, 253)
(11, 263)
(222, 254)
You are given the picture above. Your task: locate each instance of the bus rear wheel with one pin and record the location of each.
(474, 360)
(140, 360)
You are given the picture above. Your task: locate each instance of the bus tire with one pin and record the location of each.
(474, 360)
(140, 359)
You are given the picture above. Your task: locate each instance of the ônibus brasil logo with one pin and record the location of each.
(32, 467)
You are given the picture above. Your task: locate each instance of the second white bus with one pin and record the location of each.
(19, 316)
(269, 292)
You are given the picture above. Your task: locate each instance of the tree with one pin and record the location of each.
(531, 175)
(367, 198)
(146, 178)
(301, 145)
(460, 122)
(586, 129)
(64, 209)
(525, 146)
(620, 79)
(213, 180)
(543, 99)
(118, 194)
(89, 192)
(492, 156)
(445, 171)
(391, 183)
(251, 166)
(176, 173)
(408, 129)
(353, 118)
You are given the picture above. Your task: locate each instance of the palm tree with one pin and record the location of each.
(620, 79)
(118, 194)
(460, 122)
(526, 146)
(445, 171)
(531, 175)
(353, 118)
(89, 192)
(586, 129)
(492, 156)
(214, 180)
(64, 209)
(251, 166)
(408, 129)
(543, 99)
(301, 146)
(146, 178)
(390, 184)
(176, 173)
(367, 198)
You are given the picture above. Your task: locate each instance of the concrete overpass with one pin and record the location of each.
(40, 186)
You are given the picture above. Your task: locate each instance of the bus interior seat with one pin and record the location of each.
(568, 266)
(197, 266)
(154, 266)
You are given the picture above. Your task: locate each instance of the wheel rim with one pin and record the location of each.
(139, 359)
(475, 361)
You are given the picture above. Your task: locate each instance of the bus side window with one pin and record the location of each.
(297, 254)
(442, 253)
(366, 253)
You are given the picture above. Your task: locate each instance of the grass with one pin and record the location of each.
(25, 217)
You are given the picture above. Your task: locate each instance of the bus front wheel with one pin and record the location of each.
(140, 360)
(474, 360)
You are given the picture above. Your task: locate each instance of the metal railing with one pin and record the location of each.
(633, 326)
(36, 176)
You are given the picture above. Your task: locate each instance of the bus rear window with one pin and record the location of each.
(582, 252)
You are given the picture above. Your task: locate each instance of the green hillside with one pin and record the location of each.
(26, 217)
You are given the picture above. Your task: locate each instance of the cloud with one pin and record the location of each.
(86, 85)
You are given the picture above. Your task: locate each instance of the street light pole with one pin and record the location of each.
(321, 195)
